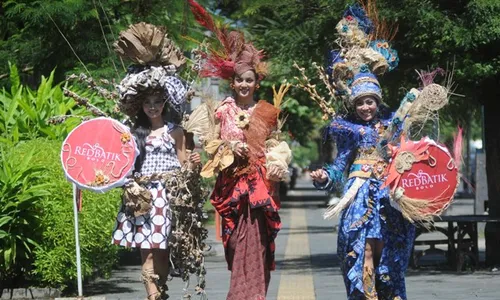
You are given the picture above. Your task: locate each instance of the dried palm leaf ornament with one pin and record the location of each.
(156, 61)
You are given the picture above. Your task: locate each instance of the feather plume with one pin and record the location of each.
(219, 62)
(382, 29)
(427, 77)
(230, 53)
(204, 18)
(262, 122)
(280, 94)
(278, 101)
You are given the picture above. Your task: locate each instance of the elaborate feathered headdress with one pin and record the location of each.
(232, 55)
(364, 53)
(156, 60)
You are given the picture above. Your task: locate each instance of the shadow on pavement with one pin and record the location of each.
(109, 287)
(323, 262)
(303, 204)
(129, 257)
(304, 188)
(308, 230)
(446, 271)
(116, 285)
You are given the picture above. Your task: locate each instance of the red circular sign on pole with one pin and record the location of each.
(99, 154)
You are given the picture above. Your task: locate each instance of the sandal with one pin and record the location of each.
(369, 284)
(148, 277)
(163, 292)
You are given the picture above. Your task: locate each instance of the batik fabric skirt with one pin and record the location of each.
(371, 215)
(149, 231)
(248, 206)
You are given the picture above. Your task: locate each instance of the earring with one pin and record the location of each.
(231, 86)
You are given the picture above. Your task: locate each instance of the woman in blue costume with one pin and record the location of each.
(374, 239)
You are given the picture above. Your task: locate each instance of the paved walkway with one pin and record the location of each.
(307, 267)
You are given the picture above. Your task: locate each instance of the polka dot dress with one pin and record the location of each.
(151, 230)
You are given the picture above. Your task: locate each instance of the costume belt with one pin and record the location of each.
(366, 168)
(137, 198)
(162, 177)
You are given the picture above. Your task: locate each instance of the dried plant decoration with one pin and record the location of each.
(305, 84)
(146, 44)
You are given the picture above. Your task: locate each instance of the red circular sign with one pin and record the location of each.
(432, 177)
(99, 154)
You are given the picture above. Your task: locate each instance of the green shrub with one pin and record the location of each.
(22, 189)
(24, 113)
(55, 260)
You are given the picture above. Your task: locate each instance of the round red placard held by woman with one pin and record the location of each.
(423, 171)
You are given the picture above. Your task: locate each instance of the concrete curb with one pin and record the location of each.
(30, 293)
(82, 298)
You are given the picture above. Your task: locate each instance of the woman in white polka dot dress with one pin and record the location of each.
(162, 148)
(149, 95)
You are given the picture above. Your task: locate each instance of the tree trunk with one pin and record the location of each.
(492, 148)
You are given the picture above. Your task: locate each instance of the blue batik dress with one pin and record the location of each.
(369, 213)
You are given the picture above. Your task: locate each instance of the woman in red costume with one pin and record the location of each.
(249, 159)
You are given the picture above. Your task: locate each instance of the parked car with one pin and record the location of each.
(289, 183)
(293, 173)
(283, 187)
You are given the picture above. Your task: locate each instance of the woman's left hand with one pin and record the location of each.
(275, 174)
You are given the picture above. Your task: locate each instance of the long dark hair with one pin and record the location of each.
(142, 129)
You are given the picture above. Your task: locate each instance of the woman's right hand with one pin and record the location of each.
(240, 149)
(319, 176)
(194, 158)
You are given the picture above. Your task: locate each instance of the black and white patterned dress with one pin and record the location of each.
(152, 229)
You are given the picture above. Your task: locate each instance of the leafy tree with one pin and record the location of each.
(36, 35)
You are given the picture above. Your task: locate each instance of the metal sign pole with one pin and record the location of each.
(77, 242)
